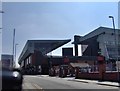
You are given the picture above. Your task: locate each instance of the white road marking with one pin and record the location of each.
(38, 87)
(31, 86)
(28, 86)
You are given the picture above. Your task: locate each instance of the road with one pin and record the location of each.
(45, 82)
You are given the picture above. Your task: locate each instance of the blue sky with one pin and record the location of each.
(50, 20)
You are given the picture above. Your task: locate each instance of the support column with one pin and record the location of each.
(76, 41)
(76, 49)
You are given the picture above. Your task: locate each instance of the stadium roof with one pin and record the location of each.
(95, 33)
(44, 46)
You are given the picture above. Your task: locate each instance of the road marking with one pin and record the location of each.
(32, 86)
(28, 86)
(37, 87)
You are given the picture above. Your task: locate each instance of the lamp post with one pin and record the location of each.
(116, 45)
(15, 54)
(1, 11)
(113, 22)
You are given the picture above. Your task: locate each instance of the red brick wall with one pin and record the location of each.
(109, 76)
(94, 76)
(112, 76)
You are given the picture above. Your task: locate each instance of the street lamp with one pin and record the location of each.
(113, 22)
(15, 53)
(116, 45)
(1, 11)
(0, 28)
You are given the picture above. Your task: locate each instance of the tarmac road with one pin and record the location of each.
(44, 83)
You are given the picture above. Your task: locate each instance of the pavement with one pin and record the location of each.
(107, 83)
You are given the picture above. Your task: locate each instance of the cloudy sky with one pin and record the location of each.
(53, 20)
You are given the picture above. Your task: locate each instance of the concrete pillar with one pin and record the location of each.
(76, 42)
(76, 49)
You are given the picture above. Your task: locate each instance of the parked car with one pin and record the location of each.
(11, 79)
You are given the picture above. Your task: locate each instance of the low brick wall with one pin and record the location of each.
(108, 76)
(111, 76)
(92, 76)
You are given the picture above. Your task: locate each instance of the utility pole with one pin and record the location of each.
(13, 47)
(15, 55)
